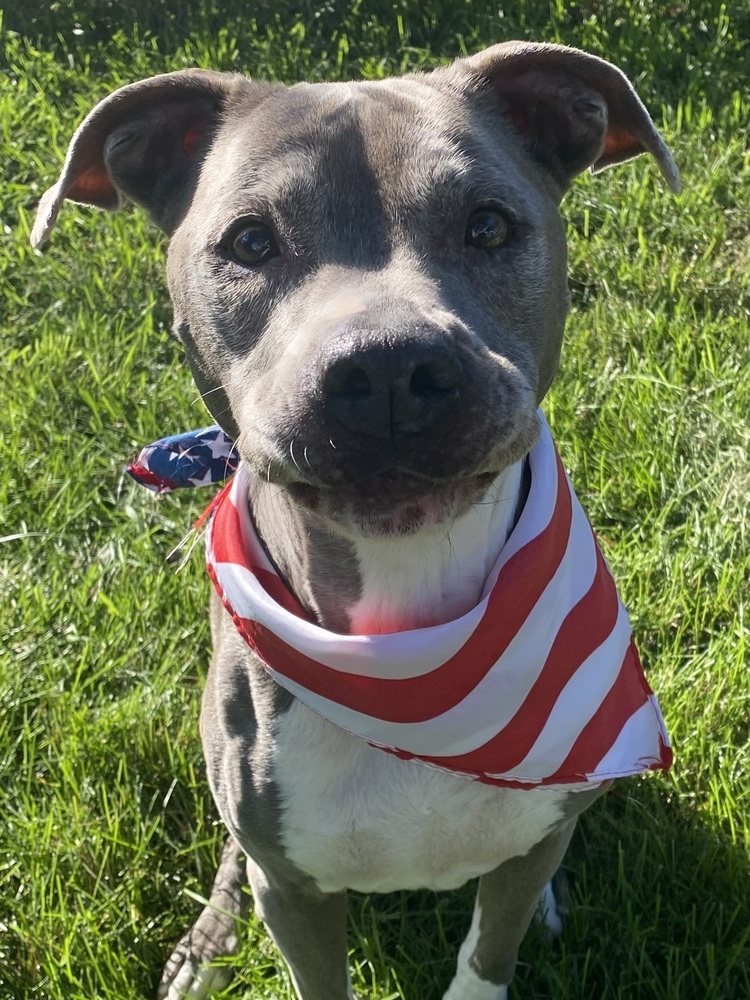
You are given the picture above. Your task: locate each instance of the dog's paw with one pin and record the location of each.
(185, 979)
(200, 964)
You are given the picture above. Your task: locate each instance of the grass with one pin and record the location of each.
(109, 834)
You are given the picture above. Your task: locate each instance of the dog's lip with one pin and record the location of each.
(395, 502)
(396, 486)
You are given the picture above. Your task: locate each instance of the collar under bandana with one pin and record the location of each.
(539, 685)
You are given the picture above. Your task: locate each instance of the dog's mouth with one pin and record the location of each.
(393, 503)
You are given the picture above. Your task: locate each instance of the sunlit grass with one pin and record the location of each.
(108, 832)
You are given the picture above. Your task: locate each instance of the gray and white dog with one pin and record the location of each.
(369, 281)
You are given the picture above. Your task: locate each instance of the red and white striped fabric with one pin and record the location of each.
(539, 685)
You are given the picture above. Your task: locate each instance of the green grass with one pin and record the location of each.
(108, 831)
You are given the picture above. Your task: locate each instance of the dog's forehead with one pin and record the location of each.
(403, 138)
(383, 119)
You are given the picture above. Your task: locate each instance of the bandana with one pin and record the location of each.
(198, 458)
(539, 685)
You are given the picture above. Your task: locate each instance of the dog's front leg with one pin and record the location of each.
(506, 901)
(189, 973)
(309, 929)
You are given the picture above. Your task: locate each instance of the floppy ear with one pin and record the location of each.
(144, 141)
(573, 109)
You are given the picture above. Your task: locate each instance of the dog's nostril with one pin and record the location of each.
(356, 384)
(347, 380)
(434, 379)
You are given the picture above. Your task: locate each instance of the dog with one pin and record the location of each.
(369, 282)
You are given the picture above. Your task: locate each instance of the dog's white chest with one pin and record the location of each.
(356, 817)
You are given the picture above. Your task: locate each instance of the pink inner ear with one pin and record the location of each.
(192, 137)
(93, 187)
(620, 141)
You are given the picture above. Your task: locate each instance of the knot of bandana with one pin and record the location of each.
(197, 458)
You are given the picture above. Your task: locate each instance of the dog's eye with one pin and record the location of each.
(488, 229)
(252, 245)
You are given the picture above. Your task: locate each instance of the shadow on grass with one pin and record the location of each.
(659, 901)
(659, 908)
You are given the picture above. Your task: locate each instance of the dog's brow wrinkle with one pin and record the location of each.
(276, 187)
(291, 165)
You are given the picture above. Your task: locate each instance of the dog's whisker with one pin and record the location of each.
(193, 536)
(451, 549)
(208, 392)
(494, 503)
(291, 452)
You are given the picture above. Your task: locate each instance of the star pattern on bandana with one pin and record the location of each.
(196, 458)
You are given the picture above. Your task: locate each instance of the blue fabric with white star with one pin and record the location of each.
(196, 458)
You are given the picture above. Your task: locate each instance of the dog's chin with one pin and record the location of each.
(393, 504)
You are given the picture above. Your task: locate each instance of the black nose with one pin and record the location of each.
(393, 386)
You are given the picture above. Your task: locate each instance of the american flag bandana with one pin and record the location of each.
(197, 458)
(539, 685)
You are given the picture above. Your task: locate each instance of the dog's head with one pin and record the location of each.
(369, 279)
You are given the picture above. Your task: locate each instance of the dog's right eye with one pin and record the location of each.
(488, 229)
(252, 244)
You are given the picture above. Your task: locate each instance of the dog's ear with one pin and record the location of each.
(573, 109)
(144, 141)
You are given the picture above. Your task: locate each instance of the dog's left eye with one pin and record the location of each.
(252, 245)
(488, 229)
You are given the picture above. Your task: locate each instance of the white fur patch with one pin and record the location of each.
(549, 911)
(356, 817)
(468, 986)
(359, 818)
(437, 575)
(196, 982)
(466, 983)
